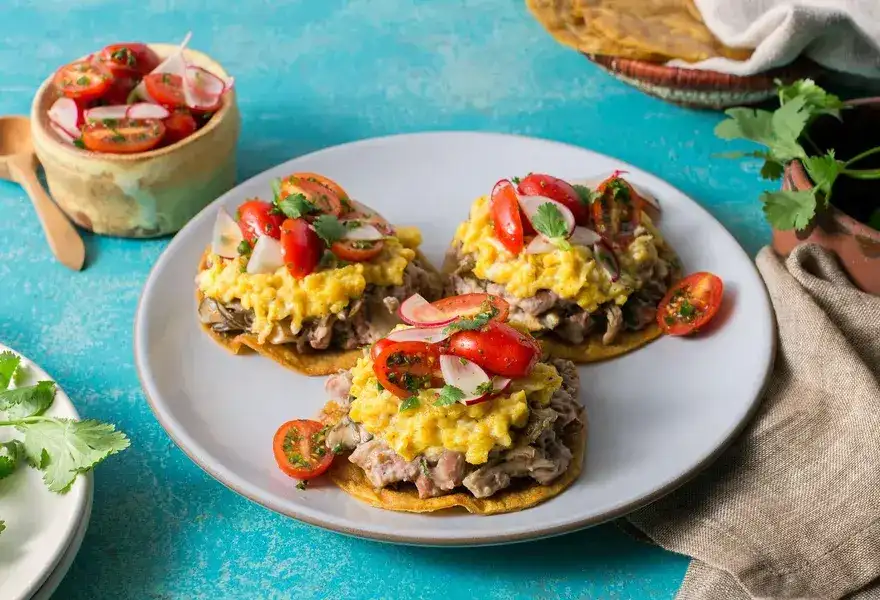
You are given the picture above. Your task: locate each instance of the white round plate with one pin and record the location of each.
(40, 525)
(657, 415)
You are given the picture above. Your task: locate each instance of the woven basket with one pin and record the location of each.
(702, 89)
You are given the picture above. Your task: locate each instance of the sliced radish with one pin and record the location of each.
(227, 235)
(175, 64)
(530, 205)
(605, 256)
(203, 80)
(415, 310)
(430, 335)
(99, 113)
(62, 133)
(584, 237)
(66, 114)
(266, 256)
(499, 384)
(228, 84)
(465, 375)
(147, 110)
(540, 245)
(365, 232)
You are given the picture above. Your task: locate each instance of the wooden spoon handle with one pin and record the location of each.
(63, 238)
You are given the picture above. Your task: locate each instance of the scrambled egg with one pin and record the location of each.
(474, 430)
(572, 274)
(276, 296)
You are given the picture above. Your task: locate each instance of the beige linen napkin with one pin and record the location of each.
(792, 508)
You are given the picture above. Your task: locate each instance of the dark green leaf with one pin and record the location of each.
(295, 206)
(10, 454)
(787, 210)
(874, 219)
(772, 169)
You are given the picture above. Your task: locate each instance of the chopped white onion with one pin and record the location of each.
(227, 235)
(266, 256)
(429, 335)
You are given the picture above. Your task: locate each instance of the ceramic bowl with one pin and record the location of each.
(142, 195)
(697, 88)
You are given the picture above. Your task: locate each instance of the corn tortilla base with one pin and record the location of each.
(521, 495)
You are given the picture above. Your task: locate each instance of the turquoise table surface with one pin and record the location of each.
(311, 74)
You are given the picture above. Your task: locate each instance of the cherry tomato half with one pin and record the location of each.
(404, 368)
(499, 349)
(378, 346)
(165, 89)
(120, 88)
(536, 184)
(467, 305)
(83, 80)
(325, 199)
(129, 58)
(256, 218)
(690, 304)
(357, 250)
(181, 124)
(122, 136)
(365, 214)
(301, 247)
(300, 449)
(617, 210)
(506, 217)
(325, 181)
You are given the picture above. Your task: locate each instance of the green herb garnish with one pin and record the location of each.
(449, 394)
(585, 194)
(549, 222)
(329, 228)
(485, 388)
(244, 248)
(302, 485)
(409, 403)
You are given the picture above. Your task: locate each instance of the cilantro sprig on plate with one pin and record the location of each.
(60, 448)
(783, 134)
(549, 222)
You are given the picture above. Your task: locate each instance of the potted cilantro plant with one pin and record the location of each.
(827, 154)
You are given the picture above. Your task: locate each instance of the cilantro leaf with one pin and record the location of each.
(295, 206)
(485, 388)
(10, 453)
(817, 100)
(9, 362)
(63, 448)
(772, 169)
(585, 194)
(789, 209)
(788, 124)
(747, 124)
(276, 190)
(549, 222)
(449, 394)
(823, 170)
(409, 403)
(27, 401)
(329, 228)
(478, 321)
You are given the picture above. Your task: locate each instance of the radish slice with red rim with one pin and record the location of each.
(175, 64)
(415, 310)
(540, 245)
(66, 114)
(465, 375)
(499, 385)
(227, 235)
(583, 236)
(62, 133)
(147, 110)
(204, 81)
(364, 232)
(531, 204)
(429, 335)
(605, 256)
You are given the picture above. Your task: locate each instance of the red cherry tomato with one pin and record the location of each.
(300, 449)
(119, 90)
(356, 250)
(467, 305)
(181, 124)
(690, 304)
(325, 181)
(617, 209)
(256, 218)
(129, 58)
(506, 217)
(324, 198)
(355, 211)
(83, 80)
(378, 346)
(122, 136)
(499, 349)
(301, 247)
(536, 184)
(404, 368)
(165, 89)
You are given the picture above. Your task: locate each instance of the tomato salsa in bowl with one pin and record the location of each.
(122, 155)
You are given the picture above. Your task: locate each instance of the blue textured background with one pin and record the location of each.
(310, 74)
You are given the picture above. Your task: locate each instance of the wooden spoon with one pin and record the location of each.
(19, 164)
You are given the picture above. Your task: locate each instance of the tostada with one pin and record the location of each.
(455, 409)
(310, 277)
(583, 267)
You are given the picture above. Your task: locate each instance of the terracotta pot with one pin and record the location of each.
(696, 88)
(143, 195)
(856, 245)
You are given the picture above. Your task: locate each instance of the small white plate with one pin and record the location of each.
(657, 415)
(40, 525)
